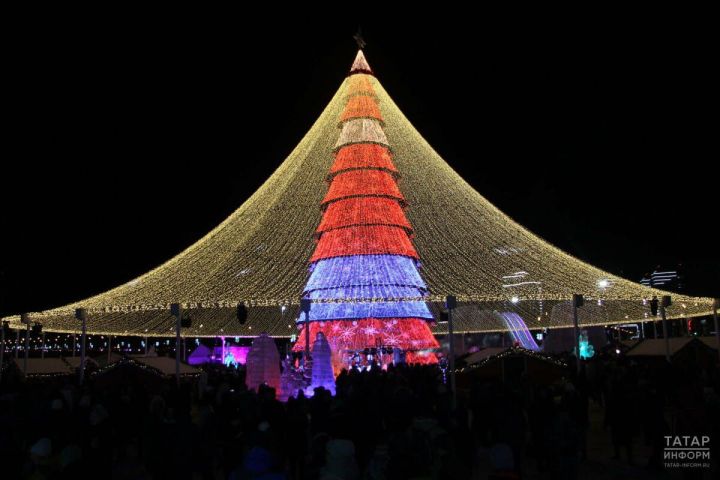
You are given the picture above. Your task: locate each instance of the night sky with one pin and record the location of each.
(127, 143)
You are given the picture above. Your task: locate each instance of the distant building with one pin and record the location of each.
(666, 279)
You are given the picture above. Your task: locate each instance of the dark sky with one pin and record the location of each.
(128, 142)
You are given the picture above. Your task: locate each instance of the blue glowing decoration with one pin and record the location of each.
(369, 292)
(586, 349)
(359, 270)
(230, 360)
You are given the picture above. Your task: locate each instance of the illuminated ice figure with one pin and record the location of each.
(322, 371)
(586, 349)
(230, 360)
(263, 363)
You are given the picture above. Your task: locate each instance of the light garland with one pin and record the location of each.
(361, 130)
(361, 106)
(374, 271)
(351, 212)
(363, 155)
(512, 351)
(354, 335)
(363, 183)
(364, 239)
(259, 255)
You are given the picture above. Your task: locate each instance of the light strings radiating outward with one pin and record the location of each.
(259, 255)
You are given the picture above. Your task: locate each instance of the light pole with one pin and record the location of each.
(176, 310)
(665, 302)
(81, 314)
(2, 348)
(577, 301)
(305, 304)
(716, 305)
(450, 304)
(26, 320)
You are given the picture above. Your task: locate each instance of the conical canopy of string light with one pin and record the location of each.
(369, 222)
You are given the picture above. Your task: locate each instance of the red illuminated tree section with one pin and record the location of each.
(361, 106)
(364, 240)
(359, 85)
(405, 333)
(363, 155)
(362, 183)
(363, 211)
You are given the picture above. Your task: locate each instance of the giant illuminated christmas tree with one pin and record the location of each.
(364, 283)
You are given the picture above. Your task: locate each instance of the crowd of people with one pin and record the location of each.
(397, 423)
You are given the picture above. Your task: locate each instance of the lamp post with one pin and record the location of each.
(305, 304)
(26, 320)
(577, 301)
(81, 314)
(716, 305)
(665, 302)
(450, 304)
(176, 310)
(2, 348)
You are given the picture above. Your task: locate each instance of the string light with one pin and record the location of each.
(363, 183)
(363, 155)
(352, 261)
(259, 255)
